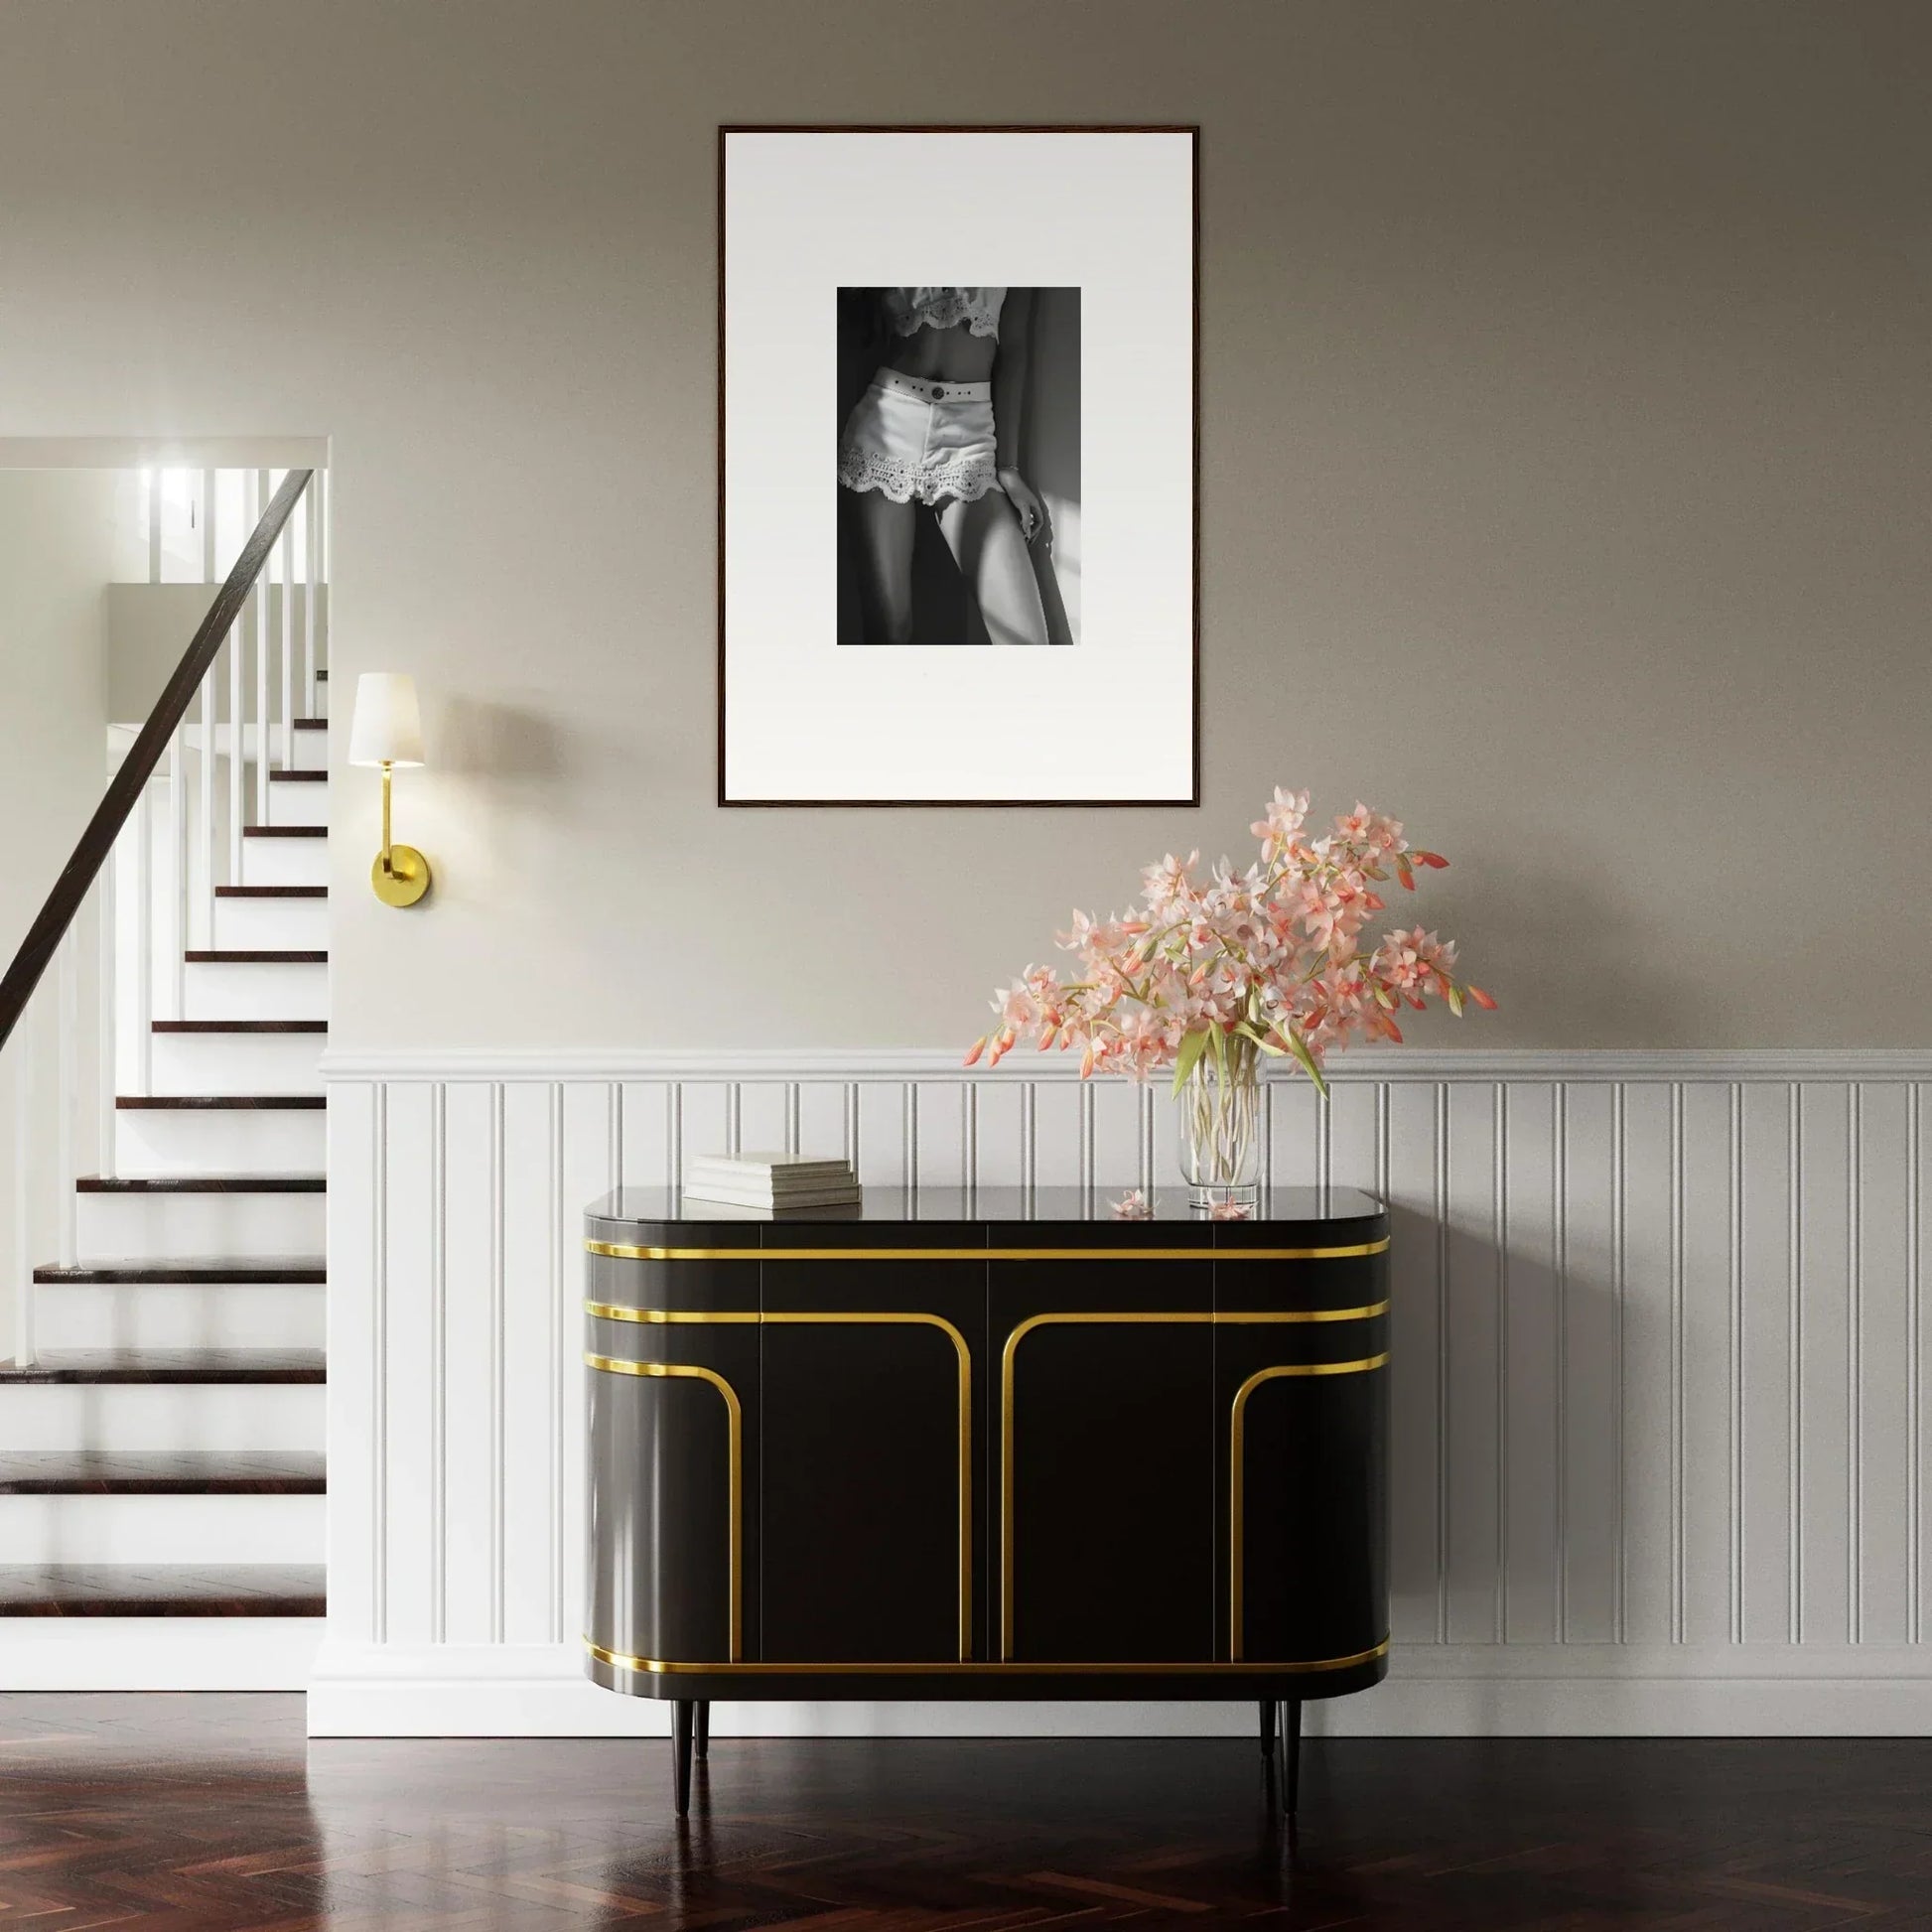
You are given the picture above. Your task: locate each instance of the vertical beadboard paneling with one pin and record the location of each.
(1587, 1284)
(529, 1128)
(1825, 1469)
(1474, 1553)
(1646, 1414)
(1882, 1370)
(1702, 1529)
(411, 1408)
(1416, 1342)
(1532, 1343)
(470, 1355)
(1661, 1348)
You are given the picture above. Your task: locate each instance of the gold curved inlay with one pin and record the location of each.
(1237, 1472)
(615, 1312)
(658, 1667)
(1191, 1317)
(619, 1251)
(734, 1439)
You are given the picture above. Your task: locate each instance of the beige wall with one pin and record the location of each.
(1565, 474)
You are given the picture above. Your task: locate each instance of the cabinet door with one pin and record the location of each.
(1302, 1396)
(1104, 1458)
(873, 1397)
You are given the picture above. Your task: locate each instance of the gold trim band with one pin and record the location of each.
(1220, 1318)
(618, 1251)
(734, 1438)
(658, 1667)
(1237, 1474)
(1190, 1317)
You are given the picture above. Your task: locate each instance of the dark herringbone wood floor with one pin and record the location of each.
(184, 1812)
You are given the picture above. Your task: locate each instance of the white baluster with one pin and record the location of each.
(106, 901)
(67, 1057)
(143, 944)
(177, 883)
(207, 525)
(261, 666)
(204, 885)
(310, 577)
(24, 1140)
(157, 479)
(237, 705)
(287, 547)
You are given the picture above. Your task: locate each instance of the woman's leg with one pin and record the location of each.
(883, 533)
(994, 559)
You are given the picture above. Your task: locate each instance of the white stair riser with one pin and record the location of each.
(181, 1314)
(176, 1227)
(311, 752)
(163, 1415)
(162, 1529)
(285, 861)
(237, 1062)
(272, 924)
(220, 1139)
(250, 990)
(297, 805)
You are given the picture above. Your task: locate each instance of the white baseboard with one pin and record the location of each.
(158, 1653)
(1526, 1691)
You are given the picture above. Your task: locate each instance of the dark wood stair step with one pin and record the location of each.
(161, 1472)
(273, 1103)
(248, 956)
(312, 724)
(275, 1271)
(271, 892)
(164, 1589)
(203, 1184)
(297, 778)
(285, 831)
(241, 1025)
(150, 1365)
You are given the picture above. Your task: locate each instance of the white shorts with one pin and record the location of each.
(911, 438)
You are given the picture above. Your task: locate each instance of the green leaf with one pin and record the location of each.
(1299, 1048)
(1455, 1001)
(1191, 1049)
(1261, 1040)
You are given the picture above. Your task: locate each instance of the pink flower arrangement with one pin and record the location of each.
(1271, 959)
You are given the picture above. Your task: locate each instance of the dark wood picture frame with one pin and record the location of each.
(1192, 131)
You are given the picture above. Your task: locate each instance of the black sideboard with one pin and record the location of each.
(999, 1446)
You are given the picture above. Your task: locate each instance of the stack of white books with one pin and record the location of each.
(770, 1180)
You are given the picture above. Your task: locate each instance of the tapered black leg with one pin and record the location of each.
(681, 1712)
(703, 1740)
(1291, 1755)
(1267, 1727)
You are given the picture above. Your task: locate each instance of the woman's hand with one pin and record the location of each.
(1031, 511)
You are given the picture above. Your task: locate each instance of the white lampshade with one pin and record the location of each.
(388, 728)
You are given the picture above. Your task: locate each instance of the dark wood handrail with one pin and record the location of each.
(125, 789)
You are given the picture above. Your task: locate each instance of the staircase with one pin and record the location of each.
(162, 1428)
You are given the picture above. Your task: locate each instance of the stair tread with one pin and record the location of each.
(161, 1472)
(173, 1365)
(285, 831)
(274, 1271)
(271, 892)
(312, 724)
(252, 956)
(163, 1590)
(293, 777)
(264, 1102)
(203, 1184)
(241, 1025)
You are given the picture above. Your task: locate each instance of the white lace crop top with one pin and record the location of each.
(911, 309)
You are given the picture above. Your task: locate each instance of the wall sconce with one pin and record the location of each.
(388, 731)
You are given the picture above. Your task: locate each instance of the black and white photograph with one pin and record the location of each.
(959, 466)
(918, 478)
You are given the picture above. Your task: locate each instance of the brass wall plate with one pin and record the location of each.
(403, 879)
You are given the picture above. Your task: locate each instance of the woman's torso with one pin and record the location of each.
(954, 353)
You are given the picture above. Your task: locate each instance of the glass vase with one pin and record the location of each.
(1220, 1130)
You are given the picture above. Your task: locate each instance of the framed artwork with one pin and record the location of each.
(958, 524)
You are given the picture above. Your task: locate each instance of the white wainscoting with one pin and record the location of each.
(1660, 1369)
